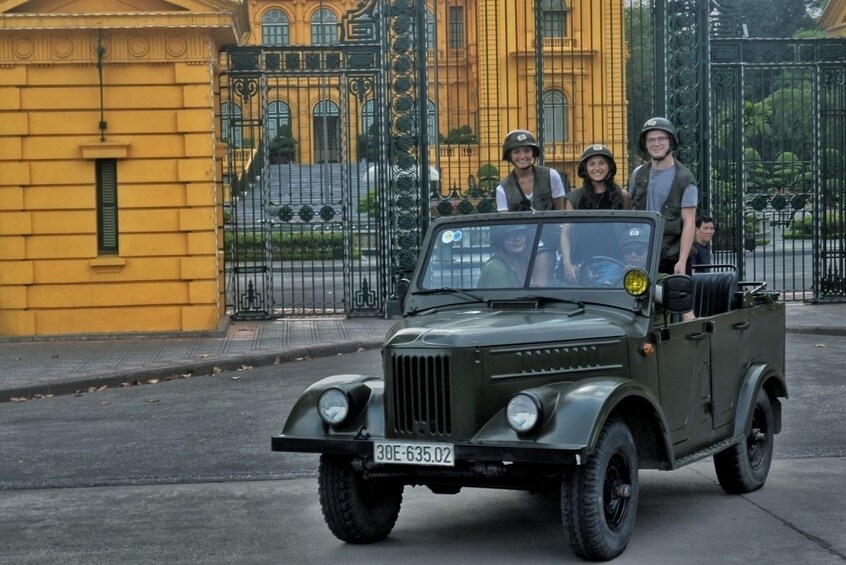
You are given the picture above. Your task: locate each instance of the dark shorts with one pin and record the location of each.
(667, 264)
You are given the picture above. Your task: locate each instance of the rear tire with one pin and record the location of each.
(744, 467)
(357, 510)
(599, 499)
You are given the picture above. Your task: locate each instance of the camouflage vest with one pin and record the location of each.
(541, 192)
(670, 210)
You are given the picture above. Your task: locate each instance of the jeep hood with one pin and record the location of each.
(468, 328)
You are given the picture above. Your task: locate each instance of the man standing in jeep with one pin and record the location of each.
(664, 185)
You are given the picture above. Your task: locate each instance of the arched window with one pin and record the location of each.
(275, 28)
(324, 27)
(432, 122)
(368, 115)
(430, 30)
(231, 124)
(555, 120)
(327, 132)
(278, 115)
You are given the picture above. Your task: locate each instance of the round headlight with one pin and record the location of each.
(523, 412)
(636, 282)
(333, 406)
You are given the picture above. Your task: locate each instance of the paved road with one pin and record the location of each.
(181, 472)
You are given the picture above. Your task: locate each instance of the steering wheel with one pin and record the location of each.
(601, 271)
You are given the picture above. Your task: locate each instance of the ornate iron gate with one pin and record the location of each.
(305, 166)
(778, 113)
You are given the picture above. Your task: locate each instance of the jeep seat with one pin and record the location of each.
(713, 293)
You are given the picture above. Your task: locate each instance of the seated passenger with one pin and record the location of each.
(510, 260)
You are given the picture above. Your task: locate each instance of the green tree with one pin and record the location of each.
(793, 119)
(460, 136)
(777, 18)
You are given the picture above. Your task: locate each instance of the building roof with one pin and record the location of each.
(222, 17)
(833, 18)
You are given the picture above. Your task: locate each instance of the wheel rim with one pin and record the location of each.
(616, 491)
(756, 441)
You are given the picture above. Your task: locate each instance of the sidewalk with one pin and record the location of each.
(64, 366)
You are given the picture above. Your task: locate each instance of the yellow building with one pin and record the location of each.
(109, 166)
(482, 73)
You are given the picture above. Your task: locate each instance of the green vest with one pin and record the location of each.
(541, 192)
(670, 210)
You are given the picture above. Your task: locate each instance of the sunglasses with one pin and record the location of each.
(634, 250)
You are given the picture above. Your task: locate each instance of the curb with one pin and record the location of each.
(198, 369)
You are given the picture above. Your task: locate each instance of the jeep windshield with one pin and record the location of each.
(557, 257)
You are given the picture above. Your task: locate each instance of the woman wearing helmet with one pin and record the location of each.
(597, 168)
(598, 191)
(528, 186)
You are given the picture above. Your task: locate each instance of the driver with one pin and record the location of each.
(510, 260)
(635, 247)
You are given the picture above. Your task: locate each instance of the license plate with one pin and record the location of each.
(440, 454)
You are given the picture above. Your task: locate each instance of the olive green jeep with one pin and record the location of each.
(542, 351)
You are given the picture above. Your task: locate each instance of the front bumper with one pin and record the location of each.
(464, 451)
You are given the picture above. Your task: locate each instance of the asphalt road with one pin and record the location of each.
(182, 472)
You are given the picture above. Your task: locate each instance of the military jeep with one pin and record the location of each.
(543, 352)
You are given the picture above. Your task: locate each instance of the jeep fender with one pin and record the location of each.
(574, 413)
(759, 376)
(304, 420)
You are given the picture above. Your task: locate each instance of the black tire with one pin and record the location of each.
(357, 510)
(744, 467)
(599, 498)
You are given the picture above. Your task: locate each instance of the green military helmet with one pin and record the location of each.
(662, 124)
(592, 151)
(500, 233)
(519, 138)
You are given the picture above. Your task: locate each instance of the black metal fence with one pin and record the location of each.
(340, 154)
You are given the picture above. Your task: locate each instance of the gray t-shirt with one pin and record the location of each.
(659, 185)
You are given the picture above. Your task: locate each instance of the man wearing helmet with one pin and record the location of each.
(528, 186)
(664, 185)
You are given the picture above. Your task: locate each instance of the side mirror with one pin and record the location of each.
(676, 294)
(401, 291)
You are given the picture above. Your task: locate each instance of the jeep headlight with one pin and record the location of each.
(334, 405)
(524, 412)
(636, 282)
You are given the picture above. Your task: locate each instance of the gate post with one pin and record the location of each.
(407, 198)
(682, 81)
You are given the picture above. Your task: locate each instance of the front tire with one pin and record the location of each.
(599, 499)
(357, 510)
(744, 467)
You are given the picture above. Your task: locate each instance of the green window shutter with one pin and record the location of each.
(107, 207)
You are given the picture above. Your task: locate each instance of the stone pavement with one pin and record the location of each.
(67, 365)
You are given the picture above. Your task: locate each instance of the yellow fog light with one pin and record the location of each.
(636, 282)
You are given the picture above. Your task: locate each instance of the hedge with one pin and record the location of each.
(289, 246)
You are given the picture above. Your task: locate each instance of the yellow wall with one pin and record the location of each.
(159, 109)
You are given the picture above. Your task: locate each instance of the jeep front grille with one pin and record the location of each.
(420, 395)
